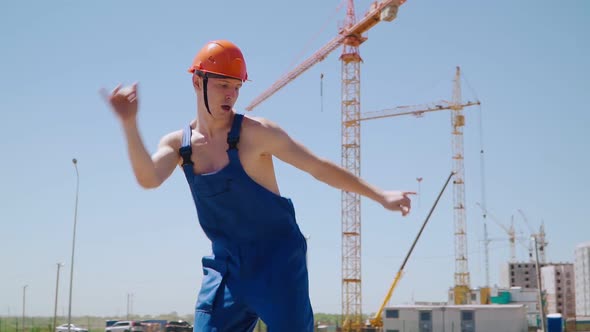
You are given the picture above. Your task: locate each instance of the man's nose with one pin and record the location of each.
(231, 95)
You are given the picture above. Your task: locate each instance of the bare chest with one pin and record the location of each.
(210, 156)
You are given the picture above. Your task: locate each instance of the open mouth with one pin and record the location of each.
(226, 107)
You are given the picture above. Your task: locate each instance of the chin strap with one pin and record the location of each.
(205, 81)
(205, 77)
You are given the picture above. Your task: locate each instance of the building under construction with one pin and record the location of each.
(524, 274)
(582, 280)
(559, 288)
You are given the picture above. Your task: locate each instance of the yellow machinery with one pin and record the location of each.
(377, 321)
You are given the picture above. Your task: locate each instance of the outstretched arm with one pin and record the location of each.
(150, 172)
(279, 144)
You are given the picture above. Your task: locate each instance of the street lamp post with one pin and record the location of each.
(24, 298)
(128, 304)
(73, 244)
(59, 265)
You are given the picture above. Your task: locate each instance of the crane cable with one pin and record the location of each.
(308, 44)
(486, 240)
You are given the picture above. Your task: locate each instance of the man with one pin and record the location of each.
(258, 267)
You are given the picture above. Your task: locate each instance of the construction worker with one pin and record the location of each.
(258, 267)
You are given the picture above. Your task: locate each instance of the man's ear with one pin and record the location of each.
(197, 82)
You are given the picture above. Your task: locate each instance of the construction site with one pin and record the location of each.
(496, 241)
(514, 306)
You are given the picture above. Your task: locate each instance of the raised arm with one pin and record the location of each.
(281, 145)
(150, 171)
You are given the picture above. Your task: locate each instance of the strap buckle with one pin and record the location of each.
(186, 152)
(232, 141)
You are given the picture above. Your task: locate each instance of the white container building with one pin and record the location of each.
(451, 318)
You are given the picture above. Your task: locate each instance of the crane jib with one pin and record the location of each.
(385, 10)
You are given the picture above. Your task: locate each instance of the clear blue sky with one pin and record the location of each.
(526, 61)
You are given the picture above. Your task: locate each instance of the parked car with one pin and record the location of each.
(126, 326)
(73, 328)
(179, 326)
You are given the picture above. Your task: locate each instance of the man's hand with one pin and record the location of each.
(123, 101)
(398, 201)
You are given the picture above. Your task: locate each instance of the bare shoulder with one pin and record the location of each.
(261, 126)
(267, 136)
(172, 140)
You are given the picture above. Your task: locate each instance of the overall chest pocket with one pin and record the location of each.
(214, 186)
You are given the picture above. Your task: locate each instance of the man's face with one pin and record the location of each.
(223, 93)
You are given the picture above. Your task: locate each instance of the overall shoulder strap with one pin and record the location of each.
(233, 137)
(186, 149)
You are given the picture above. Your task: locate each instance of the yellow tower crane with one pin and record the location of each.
(540, 239)
(462, 283)
(510, 231)
(350, 36)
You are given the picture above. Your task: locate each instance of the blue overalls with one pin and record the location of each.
(258, 267)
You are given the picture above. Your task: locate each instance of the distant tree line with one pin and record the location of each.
(98, 323)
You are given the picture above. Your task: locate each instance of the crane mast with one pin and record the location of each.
(462, 282)
(351, 153)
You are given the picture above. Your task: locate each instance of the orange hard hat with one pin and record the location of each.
(220, 57)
